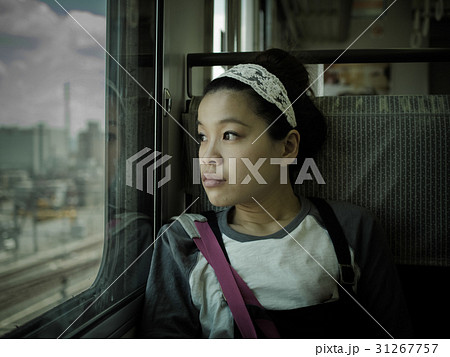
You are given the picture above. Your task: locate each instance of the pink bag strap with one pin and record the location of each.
(233, 286)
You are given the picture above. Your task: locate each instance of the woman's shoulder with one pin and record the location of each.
(351, 210)
(184, 224)
(344, 211)
(181, 226)
(359, 224)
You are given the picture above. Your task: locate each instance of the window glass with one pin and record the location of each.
(67, 260)
(219, 33)
(52, 161)
(130, 125)
(247, 25)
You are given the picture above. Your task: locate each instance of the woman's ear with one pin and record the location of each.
(291, 144)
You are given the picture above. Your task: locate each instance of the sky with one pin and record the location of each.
(41, 48)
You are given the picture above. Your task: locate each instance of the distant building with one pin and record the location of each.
(19, 149)
(91, 161)
(91, 145)
(53, 149)
(38, 150)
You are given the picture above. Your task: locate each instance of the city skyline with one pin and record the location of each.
(41, 48)
(41, 149)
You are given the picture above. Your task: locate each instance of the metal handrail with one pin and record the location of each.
(390, 55)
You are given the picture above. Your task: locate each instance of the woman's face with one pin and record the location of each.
(227, 126)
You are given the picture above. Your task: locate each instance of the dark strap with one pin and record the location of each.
(246, 292)
(347, 275)
(213, 249)
(212, 221)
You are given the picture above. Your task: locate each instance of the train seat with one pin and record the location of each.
(389, 154)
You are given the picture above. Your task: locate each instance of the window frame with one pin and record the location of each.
(74, 318)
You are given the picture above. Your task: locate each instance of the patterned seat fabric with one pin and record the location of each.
(389, 154)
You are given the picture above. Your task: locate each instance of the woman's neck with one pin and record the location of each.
(266, 215)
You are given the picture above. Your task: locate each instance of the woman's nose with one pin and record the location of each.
(211, 156)
(214, 161)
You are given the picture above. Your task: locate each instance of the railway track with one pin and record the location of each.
(36, 284)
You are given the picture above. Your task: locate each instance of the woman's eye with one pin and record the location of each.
(229, 135)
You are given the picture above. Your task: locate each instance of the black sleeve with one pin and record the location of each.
(169, 311)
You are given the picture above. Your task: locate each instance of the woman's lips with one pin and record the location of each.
(212, 180)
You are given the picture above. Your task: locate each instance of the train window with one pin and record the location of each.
(237, 26)
(75, 226)
(219, 22)
(51, 156)
(219, 33)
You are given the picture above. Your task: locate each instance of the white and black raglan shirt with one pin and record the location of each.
(293, 268)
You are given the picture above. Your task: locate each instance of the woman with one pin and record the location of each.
(275, 240)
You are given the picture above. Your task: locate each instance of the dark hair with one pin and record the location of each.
(294, 76)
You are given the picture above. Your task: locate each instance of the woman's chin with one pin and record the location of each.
(219, 200)
(219, 203)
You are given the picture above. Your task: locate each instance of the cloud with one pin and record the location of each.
(32, 78)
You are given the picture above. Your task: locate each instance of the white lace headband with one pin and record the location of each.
(266, 84)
